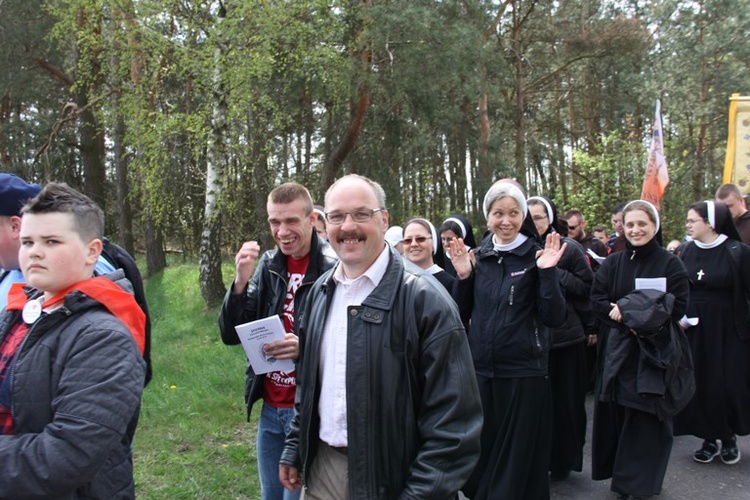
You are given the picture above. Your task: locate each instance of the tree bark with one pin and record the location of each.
(211, 282)
(156, 260)
(332, 167)
(91, 138)
(483, 179)
(124, 211)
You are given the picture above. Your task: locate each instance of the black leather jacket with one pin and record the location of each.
(414, 413)
(264, 296)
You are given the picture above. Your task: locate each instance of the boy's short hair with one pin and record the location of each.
(574, 212)
(88, 218)
(600, 227)
(289, 192)
(727, 190)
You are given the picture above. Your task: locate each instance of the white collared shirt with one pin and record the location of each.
(332, 368)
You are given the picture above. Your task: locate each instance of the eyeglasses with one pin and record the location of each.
(338, 218)
(573, 227)
(418, 239)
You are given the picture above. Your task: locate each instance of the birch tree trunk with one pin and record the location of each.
(211, 282)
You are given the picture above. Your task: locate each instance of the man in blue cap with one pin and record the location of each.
(14, 193)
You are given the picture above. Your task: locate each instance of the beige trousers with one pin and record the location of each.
(329, 475)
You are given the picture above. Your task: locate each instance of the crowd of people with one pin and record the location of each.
(549, 311)
(428, 359)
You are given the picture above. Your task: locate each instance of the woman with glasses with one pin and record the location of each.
(420, 248)
(567, 357)
(455, 226)
(718, 267)
(512, 295)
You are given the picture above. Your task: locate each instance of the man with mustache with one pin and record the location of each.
(387, 403)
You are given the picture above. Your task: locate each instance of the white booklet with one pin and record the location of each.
(597, 258)
(659, 284)
(254, 336)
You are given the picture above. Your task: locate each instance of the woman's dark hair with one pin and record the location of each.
(722, 218)
(452, 224)
(701, 208)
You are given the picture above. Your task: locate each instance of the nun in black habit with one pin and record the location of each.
(509, 288)
(718, 266)
(631, 442)
(422, 249)
(567, 356)
(455, 226)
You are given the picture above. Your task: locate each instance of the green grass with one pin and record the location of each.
(192, 440)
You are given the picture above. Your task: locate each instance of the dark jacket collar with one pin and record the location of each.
(642, 251)
(384, 296)
(487, 248)
(320, 251)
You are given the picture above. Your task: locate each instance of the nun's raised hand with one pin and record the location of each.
(461, 258)
(550, 255)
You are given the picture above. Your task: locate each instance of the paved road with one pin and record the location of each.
(685, 480)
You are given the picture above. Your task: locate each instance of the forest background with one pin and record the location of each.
(179, 116)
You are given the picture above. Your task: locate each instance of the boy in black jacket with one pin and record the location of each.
(71, 371)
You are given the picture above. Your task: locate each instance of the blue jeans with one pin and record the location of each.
(273, 427)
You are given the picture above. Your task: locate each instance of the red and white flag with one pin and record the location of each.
(657, 177)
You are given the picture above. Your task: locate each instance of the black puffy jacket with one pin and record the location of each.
(619, 352)
(512, 304)
(576, 277)
(664, 379)
(75, 390)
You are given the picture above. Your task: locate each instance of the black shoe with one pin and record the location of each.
(707, 453)
(559, 475)
(730, 453)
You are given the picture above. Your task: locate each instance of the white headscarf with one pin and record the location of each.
(711, 211)
(547, 207)
(501, 189)
(652, 209)
(429, 225)
(459, 224)
(394, 235)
